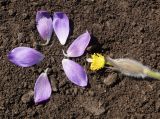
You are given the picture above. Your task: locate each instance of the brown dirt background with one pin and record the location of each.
(121, 28)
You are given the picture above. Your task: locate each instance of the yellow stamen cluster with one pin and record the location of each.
(98, 61)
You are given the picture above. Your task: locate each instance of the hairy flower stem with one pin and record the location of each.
(152, 74)
(131, 68)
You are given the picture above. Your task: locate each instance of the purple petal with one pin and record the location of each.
(25, 56)
(42, 89)
(75, 72)
(61, 26)
(78, 46)
(44, 27)
(40, 14)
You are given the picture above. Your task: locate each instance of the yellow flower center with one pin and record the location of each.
(97, 61)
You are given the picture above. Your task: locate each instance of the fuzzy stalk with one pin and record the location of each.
(152, 74)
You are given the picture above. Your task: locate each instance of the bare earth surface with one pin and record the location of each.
(119, 28)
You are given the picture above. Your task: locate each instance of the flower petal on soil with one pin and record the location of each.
(77, 48)
(44, 27)
(75, 72)
(42, 88)
(25, 56)
(61, 26)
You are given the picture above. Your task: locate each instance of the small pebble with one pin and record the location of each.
(140, 41)
(34, 3)
(134, 23)
(88, 117)
(54, 85)
(67, 92)
(92, 105)
(158, 93)
(53, 60)
(2, 107)
(91, 48)
(25, 85)
(24, 16)
(158, 106)
(50, 71)
(54, 69)
(32, 25)
(15, 111)
(40, 70)
(91, 93)
(141, 29)
(110, 79)
(75, 91)
(27, 97)
(20, 36)
(62, 83)
(11, 12)
(81, 91)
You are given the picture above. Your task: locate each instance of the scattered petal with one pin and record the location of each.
(61, 26)
(78, 46)
(45, 29)
(75, 72)
(40, 14)
(25, 56)
(42, 88)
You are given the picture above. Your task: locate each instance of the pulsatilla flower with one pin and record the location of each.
(97, 61)
(25, 56)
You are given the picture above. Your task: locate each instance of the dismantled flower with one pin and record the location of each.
(77, 48)
(61, 26)
(75, 72)
(42, 88)
(97, 61)
(44, 25)
(25, 56)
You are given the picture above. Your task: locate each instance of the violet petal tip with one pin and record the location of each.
(42, 13)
